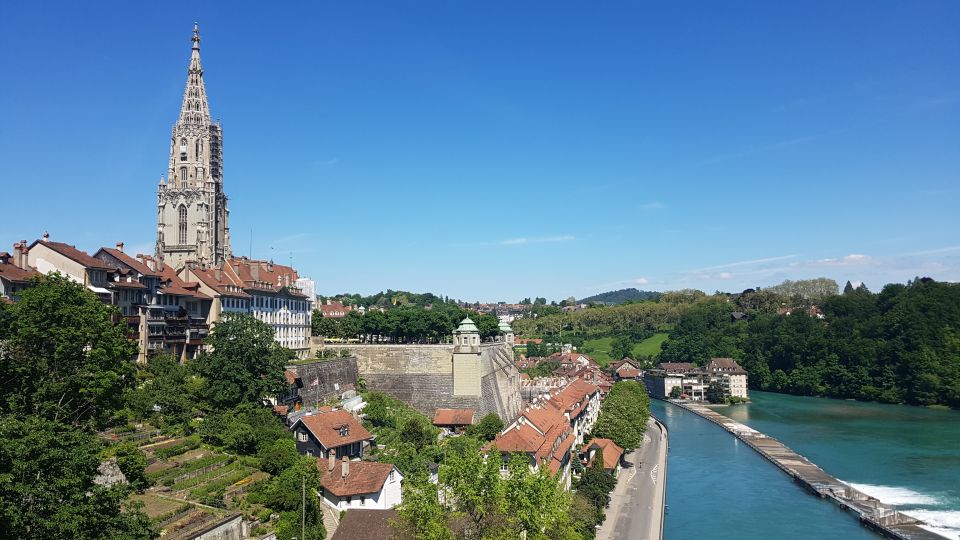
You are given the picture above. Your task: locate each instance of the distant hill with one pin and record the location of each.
(618, 297)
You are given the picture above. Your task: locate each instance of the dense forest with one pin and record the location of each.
(901, 345)
(621, 296)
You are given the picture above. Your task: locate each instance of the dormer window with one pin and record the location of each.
(344, 430)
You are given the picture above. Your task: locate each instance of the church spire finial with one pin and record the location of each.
(196, 36)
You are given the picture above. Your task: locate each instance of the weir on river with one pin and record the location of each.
(880, 517)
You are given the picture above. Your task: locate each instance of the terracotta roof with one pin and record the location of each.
(629, 373)
(360, 524)
(362, 477)
(278, 277)
(325, 426)
(13, 272)
(453, 417)
(567, 399)
(177, 286)
(71, 252)
(611, 452)
(221, 285)
(130, 261)
(523, 438)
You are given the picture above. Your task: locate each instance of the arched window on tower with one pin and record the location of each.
(183, 149)
(183, 177)
(183, 224)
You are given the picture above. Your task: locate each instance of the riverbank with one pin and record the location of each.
(637, 503)
(880, 517)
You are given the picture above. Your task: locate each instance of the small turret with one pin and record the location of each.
(466, 338)
(507, 332)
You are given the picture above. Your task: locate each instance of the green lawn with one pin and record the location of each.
(650, 346)
(600, 348)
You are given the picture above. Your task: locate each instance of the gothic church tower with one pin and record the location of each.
(191, 205)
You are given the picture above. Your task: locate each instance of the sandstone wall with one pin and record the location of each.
(422, 376)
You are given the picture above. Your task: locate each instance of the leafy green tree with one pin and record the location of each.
(278, 456)
(596, 484)
(676, 392)
(168, 393)
(487, 428)
(132, 463)
(418, 432)
(46, 485)
(622, 347)
(623, 415)
(246, 364)
(64, 359)
(715, 393)
(284, 494)
(324, 326)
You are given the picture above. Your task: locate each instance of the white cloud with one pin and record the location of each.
(847, 260)
(746, 263)
(540, 240)
(725, 275)
(933, 251)
(641, 281)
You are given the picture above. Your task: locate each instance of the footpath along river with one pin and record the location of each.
(720, 488)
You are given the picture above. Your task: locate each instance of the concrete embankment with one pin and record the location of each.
(873, 514)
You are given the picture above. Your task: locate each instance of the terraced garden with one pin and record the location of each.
(193, 487)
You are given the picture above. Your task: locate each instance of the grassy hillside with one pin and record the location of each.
(600, 348)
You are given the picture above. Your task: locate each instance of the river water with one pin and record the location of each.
(719, 488)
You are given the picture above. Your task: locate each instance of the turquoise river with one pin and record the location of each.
(719, 488)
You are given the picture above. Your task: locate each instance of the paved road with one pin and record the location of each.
(636, 504)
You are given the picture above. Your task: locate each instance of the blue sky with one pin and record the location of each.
(497, 150)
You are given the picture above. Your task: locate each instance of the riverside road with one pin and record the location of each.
(636, 504)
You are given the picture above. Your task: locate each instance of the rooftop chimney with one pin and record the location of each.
(120, 247)
(332, 461)
(345, 467)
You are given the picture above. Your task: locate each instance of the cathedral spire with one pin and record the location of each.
(194, 109)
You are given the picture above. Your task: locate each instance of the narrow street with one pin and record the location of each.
(636, 504)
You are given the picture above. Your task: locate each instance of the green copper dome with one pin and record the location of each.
(504, 327)
(467, 327)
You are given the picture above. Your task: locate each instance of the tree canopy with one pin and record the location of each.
(245, 363)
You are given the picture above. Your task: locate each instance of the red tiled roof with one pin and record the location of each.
(362, 477)
(523, 438)
(221, 285)
(611, 452)
(573, 394)
(173, 285)
(131, 262)
(629, 373)
(15, 273)
(325, 426)
(453, 417)
(71, 252)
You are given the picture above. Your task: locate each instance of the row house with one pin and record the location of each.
(264, 290)
(545, 435)
(605, 449)
(579, 403)
(163, 314)
(167, 314)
